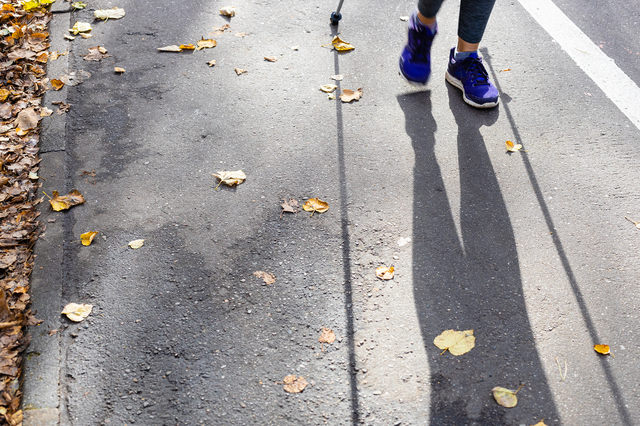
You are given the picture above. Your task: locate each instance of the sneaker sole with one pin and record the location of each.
(457, 83)
(411, 82)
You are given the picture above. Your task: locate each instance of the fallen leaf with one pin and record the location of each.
(80, 27)
(84, 35)
(75, 77)
(62, 107)
(266, 277)
(327, 336)
(540, 423)
(55, 55)
(293, 384)
(206, 43)
(228, 11)
(68, 37)
(290, 206)
(270, 58)
(187, 47)
(240, 35)
(508, 69)
(118, 69)
(404, 18)
(172, 48)
(57, 84)
(96, 53)
(59, 203)
(457, 342)
(505, 397)
(220, 30)
(115, 13)
(331, 96)
(52, 332)
(88, 237)
(34, 176)
(4, 94)
(76, 312)
(328, 88)
(338, 77)
(136, 244)
(603, 349)
(350, 95)
(211, 63)
(78, 5)
(315, 205)
(42, 57)
(45, 112)
(385, 272)
(27, 119)
(230, 178)
(513, 148)
(240, 71)
(340, 45)
(296, 47)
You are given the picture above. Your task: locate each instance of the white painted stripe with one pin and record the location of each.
(598, 66)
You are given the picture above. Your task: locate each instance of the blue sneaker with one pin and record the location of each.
(470, 76)
(415, 60)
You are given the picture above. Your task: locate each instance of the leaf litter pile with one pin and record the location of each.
(23, 53)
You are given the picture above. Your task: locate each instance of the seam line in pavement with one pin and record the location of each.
(618, 87)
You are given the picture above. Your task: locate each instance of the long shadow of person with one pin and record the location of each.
(470, 281)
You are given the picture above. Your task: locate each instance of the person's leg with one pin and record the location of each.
(466, 70)
(415, 60)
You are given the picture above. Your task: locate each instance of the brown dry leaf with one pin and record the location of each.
(136, 244)
(55, 55)
(45, 112)
(385, 272)
(172, 48)
(5, 110)
(290, 206)
(293, 384)
(187, 47)
(240, 71)
(220, 30)
(240, 35)
(505, 397)
(59, 203)
(513, 148)
(228, 11)
(118, 69)
(315, 205)
(211, 63)
(327, 336)
(603, 349)
(96, 53)
(88, 237)
(328, 88)
(457, 342)
(540, 423)
(266, 277)
(206, 43)
(62, 107)
(42, 57)
(350, 95)
(115, 13)
(270, 59)
(57, 84)
(76, 312)
(27, 119)
(340, 45)
(230, 178)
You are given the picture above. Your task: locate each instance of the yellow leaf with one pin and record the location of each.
(80, 27)
(385, 272)
(172, 48)
(540, 423)
(315, 205)
(350, 95)
(327, 336)
(513, 148)
(266, 277)
(230, 178)
(76, 312)
(457, 342)
(59, 203)
(118, 69)
(4, 94)
(115, 13)
(208, 43)
(88, 237)
(293, 384)
(211, 63)
(136, 244)
(78, 5)
(187, 46)
(240, 71)
(603, 349)
(57, 84)
(35, 4)
(505, 397)
(42, 57)
(228, 11)
(341, 45)
(328, 88)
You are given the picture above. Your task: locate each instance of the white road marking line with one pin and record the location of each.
(598, 66)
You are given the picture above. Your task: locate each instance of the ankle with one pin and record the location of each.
(426, 21)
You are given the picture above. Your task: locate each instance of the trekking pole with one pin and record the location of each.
(336, 16)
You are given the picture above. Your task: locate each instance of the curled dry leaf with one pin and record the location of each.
(315, 205)
(119, 70)
(28, 119)
(239, 71)
(136, 244)
(270, 59)
(385, 272)
(59, 203)
(68, 37)
(230, 178)
(457, 342)
(340, 45)
(88, 237)
(505, 397)
(293, 384)
(78, 5)
(115, 13)
(603, 350)
(266, 277)
(80, 27)
(513, 148)
(206, 44)
(211, 63)
(337, 77)
(350, 95)
(187, 47)
(290, 206)
(96, 53)
(328, 88)
(327, 336)
(85, 35)
(77, 312)
(172, 48)
(228, 11)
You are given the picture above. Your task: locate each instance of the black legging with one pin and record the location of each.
(473, 18)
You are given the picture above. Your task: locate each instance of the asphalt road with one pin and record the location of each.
(531, 250)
